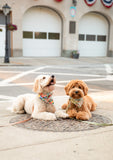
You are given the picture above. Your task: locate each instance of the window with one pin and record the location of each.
(40, 35)
(101, 38)
(72, 26)
(90, 37)
(55, 36)
(27, 34)
(81, 37)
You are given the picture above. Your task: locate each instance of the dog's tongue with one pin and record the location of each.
(52, 82)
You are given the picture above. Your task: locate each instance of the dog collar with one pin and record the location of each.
(77, 102)
(46, 98)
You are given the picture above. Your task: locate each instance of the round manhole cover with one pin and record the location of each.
(61, 125)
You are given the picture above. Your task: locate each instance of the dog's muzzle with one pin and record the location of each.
(52, 81)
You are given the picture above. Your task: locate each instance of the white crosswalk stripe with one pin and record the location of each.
(64, 71)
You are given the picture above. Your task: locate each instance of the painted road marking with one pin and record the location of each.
(70, 74)
(98, 96)
(16, 84)
(108, 68)
(58, 82)
(21, 75)
(5, 83)
(87, 80)
(10, 71)
(6, 97)
(109, 72)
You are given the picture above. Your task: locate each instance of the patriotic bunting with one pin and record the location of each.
(107, 3)
(90, 2)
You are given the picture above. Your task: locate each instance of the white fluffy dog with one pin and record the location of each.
(41, 105)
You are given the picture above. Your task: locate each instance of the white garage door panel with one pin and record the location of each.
(41, 20)
(37, 49)
(97, 25)
(93, 50)
(2, 41)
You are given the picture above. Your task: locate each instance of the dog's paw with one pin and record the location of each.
(52, 117)
(45, 116)
(64, 106)
(82, 116)
(61, 114)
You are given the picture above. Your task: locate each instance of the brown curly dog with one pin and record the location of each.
(79, 104)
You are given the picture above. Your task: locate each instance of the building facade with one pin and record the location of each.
(57, 27)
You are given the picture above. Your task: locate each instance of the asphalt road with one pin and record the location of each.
(16, 80)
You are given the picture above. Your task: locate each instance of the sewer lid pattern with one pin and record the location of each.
(61, 125)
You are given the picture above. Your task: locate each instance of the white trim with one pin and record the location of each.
(2, 40)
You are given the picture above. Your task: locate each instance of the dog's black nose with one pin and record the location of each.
(52, 76)
(76, 92)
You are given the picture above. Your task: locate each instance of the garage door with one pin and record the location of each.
(2, 41)
(41, 33)
(93, 35)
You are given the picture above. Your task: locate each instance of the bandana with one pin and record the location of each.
(46, 98)
(77, 102)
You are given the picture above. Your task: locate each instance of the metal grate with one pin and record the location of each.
(61, 125)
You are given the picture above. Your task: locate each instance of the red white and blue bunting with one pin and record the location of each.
(90, 2)
(107, 3)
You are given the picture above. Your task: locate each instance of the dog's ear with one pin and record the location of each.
(85, 88)
(36, 87)
(66, 89)
(69, 86)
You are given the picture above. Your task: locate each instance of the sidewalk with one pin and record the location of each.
(56, 61)
(22, 144)
(18, 143)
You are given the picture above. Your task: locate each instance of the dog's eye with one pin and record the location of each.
(44, 77)
(79, 87)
